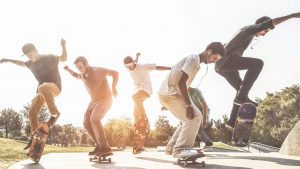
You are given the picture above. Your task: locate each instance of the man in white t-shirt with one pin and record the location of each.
(140, 74)
(173, 95)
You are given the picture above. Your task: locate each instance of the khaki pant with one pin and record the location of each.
(92, 121)
(45, 94)
(139, 110)
(186, 133)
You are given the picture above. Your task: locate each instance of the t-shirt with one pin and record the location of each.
(45, 69)
(96, 83)
(141, 77)
(241, 40)
(190, 65)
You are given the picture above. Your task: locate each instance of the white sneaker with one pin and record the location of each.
(185, 153)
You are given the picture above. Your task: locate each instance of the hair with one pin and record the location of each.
(81, 59)
(216, 48)
(127, 59)
(262, 19)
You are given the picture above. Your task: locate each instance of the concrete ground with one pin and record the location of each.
(158, 160)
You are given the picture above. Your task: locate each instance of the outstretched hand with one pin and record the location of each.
(296, 15)
(3, 60)
(138, 54)
(63, 42)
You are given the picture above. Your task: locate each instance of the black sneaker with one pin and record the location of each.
(96, 149)
(240, 143)
(104, 151)
(53, 120)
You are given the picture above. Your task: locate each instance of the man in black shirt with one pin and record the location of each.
(229, 66)
(45, 70)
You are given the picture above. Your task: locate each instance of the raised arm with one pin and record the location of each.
(73, 73)
(115, 76)
(279, 20)
(136, 60)
(183, 90)
(17, 62)
(63, 56)
(163, 68)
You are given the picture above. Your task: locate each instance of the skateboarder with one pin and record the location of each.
(173, 94)
(96, 83)
(140, 74)
(197, 97)
(229, 66)
(45, 69)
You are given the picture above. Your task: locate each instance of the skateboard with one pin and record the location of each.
(101, 158)
(38, 142)
(191, 160)
(243, 124)
(140, 131)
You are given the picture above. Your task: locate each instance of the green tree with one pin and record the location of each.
(84, 139)
(11, 122)
(163, 130)
(276, 116)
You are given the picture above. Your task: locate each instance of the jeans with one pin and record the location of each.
(230, 72)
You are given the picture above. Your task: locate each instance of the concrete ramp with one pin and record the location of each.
(291, 145)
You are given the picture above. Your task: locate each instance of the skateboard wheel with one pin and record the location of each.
(203, 164)
(185, 163)
(178, 161)
(109, 160)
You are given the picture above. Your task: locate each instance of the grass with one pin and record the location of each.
(221, 145)
(12, 151)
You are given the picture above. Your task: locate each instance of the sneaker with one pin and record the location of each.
(240, 143)
(229, 127)
(168, 150)
(104, 151)
(96, 149)
(53, 120)
(203, 137)
(185, 153)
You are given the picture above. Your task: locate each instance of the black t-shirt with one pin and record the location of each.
(241, 40)
(45, 69)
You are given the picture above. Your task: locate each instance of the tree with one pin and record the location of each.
(43, 117)
(69, 134)
(84, 139)
(276, 116)
(11, 122)
(163, 130)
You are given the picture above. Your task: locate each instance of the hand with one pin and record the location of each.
(115, 92)
(3, 60)
(138, 54)
(66, 67)
(63, 42)
(190, 112)
(296, 15)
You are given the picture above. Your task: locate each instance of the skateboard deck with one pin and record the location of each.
(38, 142)
(191, 160)
(244, 123)
(140, 131)
(101, 158)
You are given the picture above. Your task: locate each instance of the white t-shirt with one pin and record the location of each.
(190, 65)
(141, 77)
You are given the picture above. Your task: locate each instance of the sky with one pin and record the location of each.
(164, 31)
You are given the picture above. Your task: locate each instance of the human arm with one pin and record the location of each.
(136, 60)
(163, 68)
(279, 20)
(73, 73)
(115, 75)
(16, 62)
(63, 56)
(183, 90)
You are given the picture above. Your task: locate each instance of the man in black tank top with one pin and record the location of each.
(45, 70)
